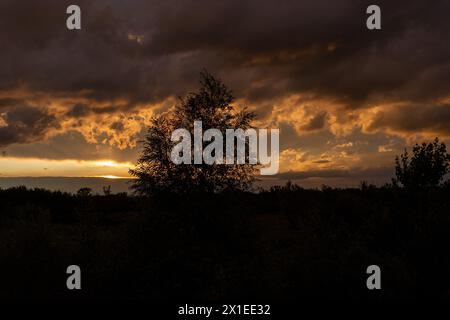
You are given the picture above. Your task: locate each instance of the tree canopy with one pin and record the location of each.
(426, 167)
(211, 104)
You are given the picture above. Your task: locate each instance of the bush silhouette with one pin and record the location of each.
(155, 172)
(84, 192)
(425, 168)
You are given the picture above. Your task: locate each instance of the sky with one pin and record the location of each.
(346, 99)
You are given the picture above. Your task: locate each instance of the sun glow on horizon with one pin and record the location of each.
(35, 167)
(113, 164)
(111, 177)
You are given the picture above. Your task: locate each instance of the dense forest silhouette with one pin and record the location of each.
(215, 238)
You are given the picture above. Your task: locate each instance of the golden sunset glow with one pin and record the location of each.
(343, 99)
(111, 177)
(111, 164)
(19, 167)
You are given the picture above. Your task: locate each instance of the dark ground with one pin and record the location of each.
(288, 243)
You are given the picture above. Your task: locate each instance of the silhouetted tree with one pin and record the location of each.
(155, 172)
(84, 192)
(425, 168)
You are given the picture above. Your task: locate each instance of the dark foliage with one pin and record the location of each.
(211, 104)
(285, 243)
(427, 166)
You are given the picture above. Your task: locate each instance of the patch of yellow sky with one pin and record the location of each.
(32, 167)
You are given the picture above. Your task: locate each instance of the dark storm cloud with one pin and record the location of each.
(306, 45)
(79, 110)
(24, 124)
(413, 118)
(318, 46)
(144, 51)
(317, 122)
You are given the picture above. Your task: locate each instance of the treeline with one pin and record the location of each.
(284, 243)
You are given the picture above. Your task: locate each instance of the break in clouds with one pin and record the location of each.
(343, 96)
